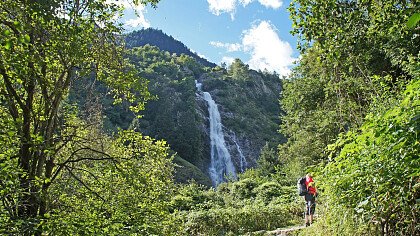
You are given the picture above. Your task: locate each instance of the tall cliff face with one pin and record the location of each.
(247, 101)
(249, 111)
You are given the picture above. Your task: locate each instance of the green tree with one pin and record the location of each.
(172, 116)
(267, 161)
(46, 46)
(355, 56)
(238, 70)
(121, 186)
(374, 172)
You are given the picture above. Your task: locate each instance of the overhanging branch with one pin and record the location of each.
(81, 182)
(106, 157)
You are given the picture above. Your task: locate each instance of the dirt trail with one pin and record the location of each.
(285, 231)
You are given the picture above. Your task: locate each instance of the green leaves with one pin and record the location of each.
(46, 47)
(375, 170)
(413, 20)
(251, 204)
(6, 33)
(8, 45)
(344, 84)
(120, 185)
(25, 38)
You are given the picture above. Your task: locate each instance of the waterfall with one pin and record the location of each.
(243, 162)
(220, 163)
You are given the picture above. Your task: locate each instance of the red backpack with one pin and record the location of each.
(310, 189)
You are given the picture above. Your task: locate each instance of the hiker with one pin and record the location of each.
(310, 199)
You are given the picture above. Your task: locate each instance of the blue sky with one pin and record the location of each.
(256, 31)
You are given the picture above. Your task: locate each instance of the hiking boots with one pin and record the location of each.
(308, 224)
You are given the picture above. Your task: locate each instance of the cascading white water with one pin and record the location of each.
(243, 162)
(220, 163)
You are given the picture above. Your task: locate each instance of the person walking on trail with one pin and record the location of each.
(310, 199)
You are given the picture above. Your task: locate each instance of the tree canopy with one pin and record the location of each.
(350, 111)
(57, 170)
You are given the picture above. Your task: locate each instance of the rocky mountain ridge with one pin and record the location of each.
(164, 42)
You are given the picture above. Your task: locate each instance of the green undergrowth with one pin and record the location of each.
(250, 204)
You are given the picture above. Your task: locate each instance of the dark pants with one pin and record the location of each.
(310, 204)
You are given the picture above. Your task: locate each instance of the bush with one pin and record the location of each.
(374, 172)
(267, 191)
(244, 188)
(251, 204)
(254, 216)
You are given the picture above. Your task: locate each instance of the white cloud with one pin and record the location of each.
(228, 60)
(139, 21)
(139, 10)
(217, 44)
(197, 53)
(245, 2)
(124, 4)
(230, 47)
(218, 7)
(275, 4)
(202, 56)
(267, 50)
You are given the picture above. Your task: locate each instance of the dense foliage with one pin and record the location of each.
(61, 175)
(253, 203)
(375, 170)
(248, 102)
(355, 90)
(125, 192)
(345, 67)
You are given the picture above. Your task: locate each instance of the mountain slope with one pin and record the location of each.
(247, 101)
(155, 37)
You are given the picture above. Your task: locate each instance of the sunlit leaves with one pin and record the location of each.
(46, 46)
(127, 191)
(357, 57)
(253, 203)
(377, 167)
(413, 20)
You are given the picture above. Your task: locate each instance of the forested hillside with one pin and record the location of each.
(102, 133)
(164, 42)
(247, 100)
